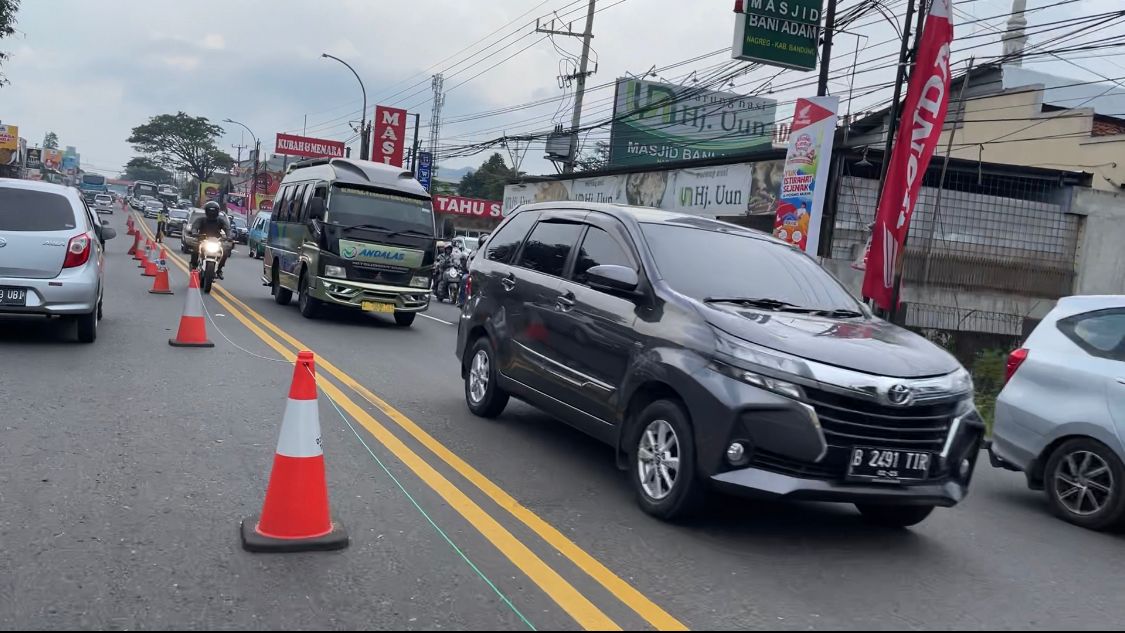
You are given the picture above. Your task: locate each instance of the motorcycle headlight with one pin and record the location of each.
(212, 248)
(420, 281)
(336, 271)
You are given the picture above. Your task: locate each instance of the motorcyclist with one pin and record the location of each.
(445, 260)
(212, 224)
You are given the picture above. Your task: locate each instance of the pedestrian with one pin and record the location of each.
(161, 221)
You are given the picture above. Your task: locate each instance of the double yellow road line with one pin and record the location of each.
(572, 601)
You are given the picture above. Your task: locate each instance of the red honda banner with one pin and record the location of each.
(920, 122)
(475, 207)
(308, 147)
(390, 135)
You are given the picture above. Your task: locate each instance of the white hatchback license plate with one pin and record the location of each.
(880, 464)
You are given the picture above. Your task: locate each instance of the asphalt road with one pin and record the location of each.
(126, 466)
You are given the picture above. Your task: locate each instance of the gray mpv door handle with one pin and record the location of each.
(509, 282)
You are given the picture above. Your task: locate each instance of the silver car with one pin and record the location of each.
(52, 254)
(1061, 416)
(103, 203)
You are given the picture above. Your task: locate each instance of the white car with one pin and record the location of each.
(1060, 418)
(103, 203)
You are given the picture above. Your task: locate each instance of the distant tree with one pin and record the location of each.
(144, 168)
(51, 141)
(8, 10)
(443, 188)
(182, 142)
(488, 181)
(595, 159)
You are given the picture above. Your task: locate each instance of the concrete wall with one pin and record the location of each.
(1101, 245)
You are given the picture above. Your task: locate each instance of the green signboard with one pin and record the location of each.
(782, 33)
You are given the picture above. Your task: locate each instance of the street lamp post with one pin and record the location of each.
(364, 134)
(254, 178)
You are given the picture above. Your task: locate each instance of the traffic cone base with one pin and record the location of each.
(295, 515)
(193, 327)
(253, 541)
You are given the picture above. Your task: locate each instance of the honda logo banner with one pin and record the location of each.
(390, 135)
(805, 176)
(921, 120)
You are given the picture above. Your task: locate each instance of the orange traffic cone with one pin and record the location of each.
(129, 224)
(295, 516)
(146, 252)
(136, 244)
(160, 284)
(150, 261)
(193, 329)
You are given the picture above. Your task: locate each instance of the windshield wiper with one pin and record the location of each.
(759, 302)
(375, 227)
(410, 232)
(839, 313)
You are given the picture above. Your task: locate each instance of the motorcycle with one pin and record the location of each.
(210, 253)
(450, 284)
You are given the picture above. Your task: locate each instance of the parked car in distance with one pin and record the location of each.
(240, 231)
(259, 233)
(103, 203)
(713, 356)
(1060, 418)
(176, 219)
(52, 254)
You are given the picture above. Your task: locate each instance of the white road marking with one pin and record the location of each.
(436, 319)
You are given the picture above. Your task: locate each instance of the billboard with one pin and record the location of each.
(34, 158)
(740, 189)
(472, 207)
(425, 169)
(659, 123)
(784, 34)
(9, 137)
(263, 202)
(390, 135)
(307, 147)
(805, 179)
(208, 191)
(52, 159)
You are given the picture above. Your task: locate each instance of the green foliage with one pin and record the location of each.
(988, 378)
(8, 10)
(595, 159)
(144, 168)
(182, 142)
(51, 141)
(488, 181)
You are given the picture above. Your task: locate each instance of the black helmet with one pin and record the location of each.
(211, 209)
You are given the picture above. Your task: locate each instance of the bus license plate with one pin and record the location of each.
(878, 464)
(375, 306)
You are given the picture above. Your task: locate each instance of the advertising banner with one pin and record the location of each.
(740, 189)
(922, 119)
(425, 169)
(238, 204)
(34, 158)
(390, 135)
(208, 191)
(805, 178)
(783, 33)
(308, 147)
(263, 202)
(52, 159)
(658, 123)
(472, 207)
(9, 137)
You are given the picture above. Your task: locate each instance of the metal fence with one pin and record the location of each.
(992, 233)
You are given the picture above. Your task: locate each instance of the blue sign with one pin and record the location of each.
(425, 168)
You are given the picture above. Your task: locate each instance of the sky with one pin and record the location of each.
(90, 70)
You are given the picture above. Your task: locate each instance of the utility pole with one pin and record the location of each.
(826, 48)
(438, 84)
(414, 148)
(583, 72)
